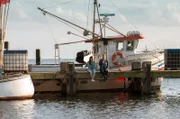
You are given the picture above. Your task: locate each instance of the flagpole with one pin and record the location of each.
(1, 42)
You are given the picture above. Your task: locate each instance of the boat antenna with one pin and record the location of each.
(85, 30)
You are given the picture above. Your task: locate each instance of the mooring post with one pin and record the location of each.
(68, 86)
(146, 66)
(6, 45)
(38, 57)
(135, 83)
(71, 81)
(64, 69)
(30, 68)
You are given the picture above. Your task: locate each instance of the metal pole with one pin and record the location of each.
(55, 54)
(94, 18)
(58, 55)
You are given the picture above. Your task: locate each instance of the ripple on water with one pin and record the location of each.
(163, 105)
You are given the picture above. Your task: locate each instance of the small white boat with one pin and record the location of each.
(18, 86)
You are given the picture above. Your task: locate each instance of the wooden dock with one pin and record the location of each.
(68, 81)
(115, 74)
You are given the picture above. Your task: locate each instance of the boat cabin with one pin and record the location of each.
(116, 48)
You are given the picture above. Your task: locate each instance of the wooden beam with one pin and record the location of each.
(85, 75)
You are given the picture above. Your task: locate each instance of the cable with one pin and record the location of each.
(71, 26)
(59, 4)
(115, 30)
(50, 29)
(130, 21)
(124, 15)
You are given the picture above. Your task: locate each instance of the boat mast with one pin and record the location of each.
(94, 17)
(1, 42)
(4, 9)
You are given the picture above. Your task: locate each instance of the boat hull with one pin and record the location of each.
(86, 85)
(16, 87)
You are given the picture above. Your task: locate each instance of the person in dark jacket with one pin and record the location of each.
(103, 63)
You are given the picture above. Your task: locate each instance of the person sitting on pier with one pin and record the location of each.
(103, 63)
(91, 68)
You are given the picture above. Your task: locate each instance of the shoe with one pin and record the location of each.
(105, 77)
(92, 80)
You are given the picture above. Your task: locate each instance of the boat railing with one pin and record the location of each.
(11, 75)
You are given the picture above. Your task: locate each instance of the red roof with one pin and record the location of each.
(121, 38)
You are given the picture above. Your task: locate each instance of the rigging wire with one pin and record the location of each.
(115, 30)
(130, 21)
(71, 26)
(60, 4)
(50, 29)
(112, 29)
(124, 15)
(35, 2)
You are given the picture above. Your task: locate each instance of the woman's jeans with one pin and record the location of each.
(92, 73)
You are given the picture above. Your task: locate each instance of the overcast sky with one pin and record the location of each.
(28, 28)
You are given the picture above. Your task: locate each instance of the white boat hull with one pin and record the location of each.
(17, 87)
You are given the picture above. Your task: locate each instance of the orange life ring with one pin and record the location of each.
(114, 57)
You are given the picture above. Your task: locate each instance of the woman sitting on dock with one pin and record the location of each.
(91, 68)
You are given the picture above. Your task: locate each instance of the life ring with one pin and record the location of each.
(114, 57)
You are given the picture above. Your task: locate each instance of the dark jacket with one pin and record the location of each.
(103, 64)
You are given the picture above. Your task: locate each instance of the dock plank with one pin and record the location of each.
(114, 74)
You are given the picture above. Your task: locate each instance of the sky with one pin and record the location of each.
(29, 29)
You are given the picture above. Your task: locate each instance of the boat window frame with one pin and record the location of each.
(131, 47)
(117, 46)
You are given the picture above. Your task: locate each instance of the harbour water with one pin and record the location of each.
(163, 105)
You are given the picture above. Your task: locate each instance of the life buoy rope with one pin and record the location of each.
(114, 57)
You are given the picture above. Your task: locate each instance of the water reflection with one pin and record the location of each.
(17, 109)
(164, 104)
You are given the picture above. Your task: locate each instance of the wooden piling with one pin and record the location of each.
(38, 57)
(146, 66)
(68, 86)
(135, 83)
(6, 45)
(71, 81)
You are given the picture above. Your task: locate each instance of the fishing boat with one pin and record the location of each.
(121, 50)
(17, 85)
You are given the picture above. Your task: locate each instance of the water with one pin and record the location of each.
(163, 105)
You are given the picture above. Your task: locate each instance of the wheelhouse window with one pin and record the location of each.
(120, 45)
(130, 45)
